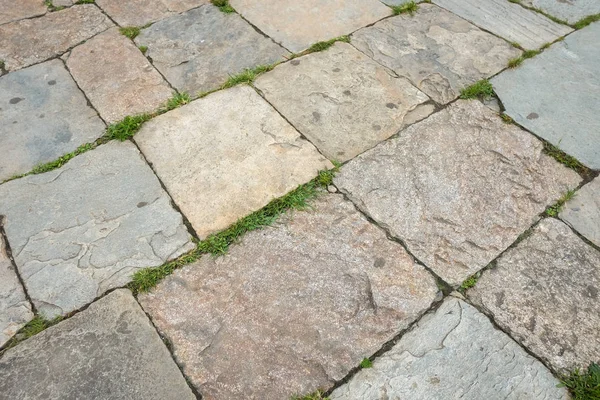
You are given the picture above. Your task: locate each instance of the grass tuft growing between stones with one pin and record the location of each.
(479, 90)
(178, 100)
(130, 31)
(223, 5)
(565, 159)
(52, 7)
(515, 62)
(320, 46)
(366, 363)
(247, 76)
(586, 21)
(407, 8)
(32, 328)
(143, 49)
(506, 118)
(583, 385)
(554, 209)
(469, 283)
(40, 169)
(85, 2)
(127, 127)
(318, 395)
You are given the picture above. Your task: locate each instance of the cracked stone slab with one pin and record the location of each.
(457, 188)
(508, 20)
(9, 11)
(342, 101)
(545, 291)
(142, 12)
(292, 307)
(568, 10)
(115, 91)
(298, 25)
(453, 353)
(583, 211)
(227, 155)
(80, 230)
(43, 115)
(30, 41)
(552, 93)
(438, 51)
(197, 51)
(109, 351)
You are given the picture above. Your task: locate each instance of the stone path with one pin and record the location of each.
(455, 254)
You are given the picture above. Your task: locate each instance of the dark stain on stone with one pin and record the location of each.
(63, 137)
(41, 116)
(347, 92)
(52, 82)
(341, 153)
(316, 116)
(336, 70)
(142, 204)
(295, 62)
(379, 262)
(376, 127)
(499, 299)
(533, 116)
(16, 100)
(391, 105)
(592, 292)
(15, 122)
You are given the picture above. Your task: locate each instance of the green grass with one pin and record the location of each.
(85, 2)
(469, 283)
(554, 209)
(366, 363)
(130, 31)
(586, 21)
(178, 100)
(506, 118)
(2, 65)
(127, 127)
(247, 76)
(411, 7)
(583, 385)
(318, 395)
(565, 159)
(320, 46)
(515, 62)
(40, 169)
(32, 328)
(52, 7)
(223, 5)
(481, 90)
(143, 49)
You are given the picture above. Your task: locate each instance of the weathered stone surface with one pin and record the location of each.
(438, 51)
(82, 229)
(109, 351)
(142, 12)
(297, 25)
(583, 211)
(9, 11)
(458, 188)
(198, 50)
(30, 41)
(342, 101)
(291, 308)
(124, 83)
(545, 291)
(508, 20)
(454, 353)
(43, 115)
(226, 155)
(570, 11)
(553, 95)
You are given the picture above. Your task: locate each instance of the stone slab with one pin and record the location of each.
(142, 12)
(298, 25)
(227, 155)
(583, 211)
(567, 10)
(80, 230)
(43, 115)
(553, 95)
(109, 351)
(26, 9)
(508, 20)
(457, 188)
(453, 353)
(342, 101)
(30, 41)
(291, 308)
(198, 50)
(124, 83)
(545, 291)
(438, 51)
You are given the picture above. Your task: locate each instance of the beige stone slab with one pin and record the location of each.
(291, 308)
(124, 83)
(226, 155)
(342, 101)
(30, 41)
(11, 10)
(142, 12)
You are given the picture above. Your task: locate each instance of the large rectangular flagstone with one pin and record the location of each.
(142, 12)
(226, 155)
(583, 211)
(109, 351)
(438, 51)
(457, 188)
(454, 353)
(567, 10)
(12, 11)
(342, 101)
(80, 230)
(556, 95)
(546, 292)
(291, 308)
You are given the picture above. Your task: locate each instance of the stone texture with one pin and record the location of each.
(567, 10)
(342, 101)
(438, 51)
(298, 25)
(9, 11)
(198, 50)
(43, 115)
(545, 291)
(454, 353)
(82, 229)
(508, 20)
(291, 308)
(552, 95)
(124, 83)
(142, 12)
(109, 351)
(227, 155)
(30, 41)
(457, 188)
(583, 211)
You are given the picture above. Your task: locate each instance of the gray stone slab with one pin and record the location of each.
(227, 155)
(583, 211)
(553, 95)
(545, 291)
(454, 353)
(508, 20)
(30, 41)
(567, 10)
(198, 50)
(142, 12)
(342, 101)
(9, 11)
(43, 115)
(438, 51)
(298, 25)
(457, 188)
(290, 308)
(109, 351)
(82, 229)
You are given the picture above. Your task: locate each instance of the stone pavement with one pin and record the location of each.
(455, 254)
